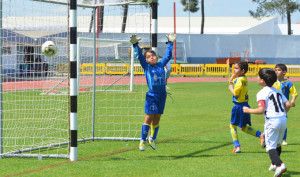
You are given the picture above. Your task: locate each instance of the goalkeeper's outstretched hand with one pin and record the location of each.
(171, 37)
(134, 39)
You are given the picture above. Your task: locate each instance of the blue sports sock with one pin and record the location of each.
(285, 134)
(236, 143)
(154, 131)
(258, 133)
(145, 130)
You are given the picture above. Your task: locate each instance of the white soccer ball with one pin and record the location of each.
(49, 49)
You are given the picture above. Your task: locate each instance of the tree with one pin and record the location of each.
(100, 15)
(202, 14)
(192, 6)
(125, 13)
(283, 7)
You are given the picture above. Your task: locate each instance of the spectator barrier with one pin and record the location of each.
(177, 69)
(191, 69)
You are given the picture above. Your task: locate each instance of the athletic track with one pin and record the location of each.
(106, 80)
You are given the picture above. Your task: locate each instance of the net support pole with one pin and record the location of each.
(73, 79)
(153, 5)
(95, 56)
(1, 107)
(131, 68)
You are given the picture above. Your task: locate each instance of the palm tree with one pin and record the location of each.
(203, 16)
(125, 12)
(191, 6)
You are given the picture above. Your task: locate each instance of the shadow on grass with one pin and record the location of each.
(264, 151)
(193, 154)
(291, 173)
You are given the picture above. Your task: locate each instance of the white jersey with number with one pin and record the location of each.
(274, 102)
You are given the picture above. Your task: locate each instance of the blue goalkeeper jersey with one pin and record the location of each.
(155, 75)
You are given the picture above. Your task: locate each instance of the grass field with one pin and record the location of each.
(193, 140)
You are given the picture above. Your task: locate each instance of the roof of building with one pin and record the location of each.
(34, 26)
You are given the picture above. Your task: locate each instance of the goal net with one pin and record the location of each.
(35, 108)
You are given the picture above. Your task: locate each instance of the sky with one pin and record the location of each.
(217, 8)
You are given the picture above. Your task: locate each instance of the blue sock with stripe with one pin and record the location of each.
(145, 130)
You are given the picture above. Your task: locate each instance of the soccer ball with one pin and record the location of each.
(49, 49)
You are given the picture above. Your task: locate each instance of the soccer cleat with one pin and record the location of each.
(152, 143)
(284, 143)
(272, 167)
(262, 140)
(237, 150)
(142, 145)
(279, 170)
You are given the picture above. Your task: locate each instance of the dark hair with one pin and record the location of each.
(243, 65)
(281, 66)
(149, 51)
(268, 75)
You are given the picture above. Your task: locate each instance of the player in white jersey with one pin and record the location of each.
(274, 105)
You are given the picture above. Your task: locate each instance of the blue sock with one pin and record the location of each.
(285, 134)
(154, 128)
(258, 133)
(236, 143)
(145, 130)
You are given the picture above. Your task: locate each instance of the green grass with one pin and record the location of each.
(194, 140)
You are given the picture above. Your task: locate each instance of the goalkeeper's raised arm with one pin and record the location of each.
(168, 55)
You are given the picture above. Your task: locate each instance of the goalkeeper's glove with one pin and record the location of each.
(171, 37)
(134, 40)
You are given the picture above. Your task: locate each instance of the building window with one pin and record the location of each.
(6, 50)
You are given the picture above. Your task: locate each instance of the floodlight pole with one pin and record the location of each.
(174, 32)
(189, 29)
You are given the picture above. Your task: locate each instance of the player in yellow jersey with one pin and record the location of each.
(239, 89)
(286, 87)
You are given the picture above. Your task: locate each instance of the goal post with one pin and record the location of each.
(51, 104)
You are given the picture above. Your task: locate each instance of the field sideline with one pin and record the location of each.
(193, 140)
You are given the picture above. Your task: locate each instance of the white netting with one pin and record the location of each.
(31, 119)
(119, 106)
(35, 114)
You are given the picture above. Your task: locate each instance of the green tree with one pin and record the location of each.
(283, 7)
(192, 6)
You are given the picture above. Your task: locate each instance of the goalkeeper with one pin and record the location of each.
(156, 96)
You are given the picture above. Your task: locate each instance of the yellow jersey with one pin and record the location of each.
(286, 87)
(240, 90)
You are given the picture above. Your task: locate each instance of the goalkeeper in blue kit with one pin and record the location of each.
(156, 96)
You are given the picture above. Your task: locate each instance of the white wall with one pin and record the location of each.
(272, 48)
(282, 29)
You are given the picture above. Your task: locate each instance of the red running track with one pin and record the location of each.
(88, 80)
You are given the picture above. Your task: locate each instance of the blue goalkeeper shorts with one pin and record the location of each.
(155, 103)
(238, 117)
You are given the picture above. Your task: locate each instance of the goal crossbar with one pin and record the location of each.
(93, 5)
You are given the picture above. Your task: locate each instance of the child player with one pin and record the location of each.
(286, 87)
(274, 105)
(156, 96)
(239, 89)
